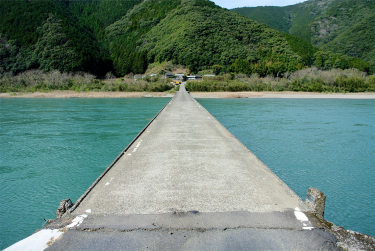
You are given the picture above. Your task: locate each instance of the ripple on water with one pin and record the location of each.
(313, 143)
(52, 149)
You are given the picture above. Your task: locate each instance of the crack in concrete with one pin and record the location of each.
(201, 230)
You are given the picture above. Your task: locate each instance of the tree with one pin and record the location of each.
(53, 49)
(217, 69)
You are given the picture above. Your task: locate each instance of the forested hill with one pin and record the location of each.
(125, 37)
(198, 35)
(57, 34)
(341, 26)
(99, 14)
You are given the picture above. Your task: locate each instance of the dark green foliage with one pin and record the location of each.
(274, 17)
(53, 49)
(20, 20)
(327, 60)
(201, 37)
(123, 35)
(14, 58)
(357, 41)
(99, 14)
(290, 19)
(217, 69)
(302, 48)
(269, 64)
(340, 26)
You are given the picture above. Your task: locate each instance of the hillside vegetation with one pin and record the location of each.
(45, 34)
(99, 14)
(340, 26)
(124, 37)
(305, 80)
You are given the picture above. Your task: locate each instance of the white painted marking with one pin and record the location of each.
(308, 228)
(77, 221)
(109, 182)
(303, 219)
(88, 211)
(37, 241)
(299, 215)
(129, 154)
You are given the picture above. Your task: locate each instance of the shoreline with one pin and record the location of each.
(296, 95)
(92, 94)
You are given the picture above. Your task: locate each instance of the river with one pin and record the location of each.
(52, 149)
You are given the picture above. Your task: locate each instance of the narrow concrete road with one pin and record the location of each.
(188, 184)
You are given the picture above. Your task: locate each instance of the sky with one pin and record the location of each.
(230, 4)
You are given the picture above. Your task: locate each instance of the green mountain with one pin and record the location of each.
(289, 19)
(341, 26)
(99, 14)
(124, 36)
(45, 34)
(197, 35)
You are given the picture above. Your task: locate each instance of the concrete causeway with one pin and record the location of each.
(186, 183)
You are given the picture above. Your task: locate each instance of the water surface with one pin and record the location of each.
(324, 143)
(53, 149)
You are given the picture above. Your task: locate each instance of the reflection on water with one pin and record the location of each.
(327, 144)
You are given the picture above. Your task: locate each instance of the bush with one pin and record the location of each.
(36, 80)
(305, 80)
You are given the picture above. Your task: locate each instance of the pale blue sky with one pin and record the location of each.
(230, 4)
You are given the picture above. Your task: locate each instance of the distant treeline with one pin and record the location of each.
(125, 37)
(306, 80)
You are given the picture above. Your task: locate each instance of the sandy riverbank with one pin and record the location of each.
(283, 95)
(73, 94)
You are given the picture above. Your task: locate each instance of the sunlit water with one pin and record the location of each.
(327, 144)
(52, 149)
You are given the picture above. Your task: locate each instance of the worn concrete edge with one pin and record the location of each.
(346, 239)
(190, 220)
(83, 196)
(303, 205)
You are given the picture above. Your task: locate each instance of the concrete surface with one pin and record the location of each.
(188, 184)
(186, 160)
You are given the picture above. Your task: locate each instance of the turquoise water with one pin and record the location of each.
(323, 143)
(52, 149)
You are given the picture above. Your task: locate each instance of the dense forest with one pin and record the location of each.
(340, 26)
(122, 37)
